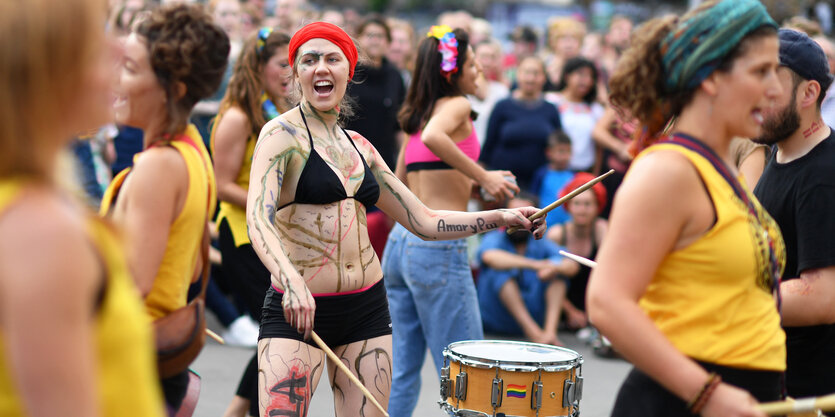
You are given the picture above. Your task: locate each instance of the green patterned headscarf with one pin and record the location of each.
(696, 47)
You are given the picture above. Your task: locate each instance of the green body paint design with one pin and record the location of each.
(410, 217)
(310, 226)
(378, 355)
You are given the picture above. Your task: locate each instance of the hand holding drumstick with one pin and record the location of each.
(562, 200)
(799, 407)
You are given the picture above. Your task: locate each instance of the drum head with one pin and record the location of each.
(504, 353)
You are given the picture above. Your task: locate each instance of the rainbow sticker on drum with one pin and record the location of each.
(517, 391)
(498, 377)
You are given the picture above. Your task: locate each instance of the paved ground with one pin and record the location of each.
(221, 367)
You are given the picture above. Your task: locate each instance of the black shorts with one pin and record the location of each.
(338, 320)
(641, 396)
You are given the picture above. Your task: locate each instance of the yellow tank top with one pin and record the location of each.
(233, 213)
(171, 284)
(127, 380)
(712, 299)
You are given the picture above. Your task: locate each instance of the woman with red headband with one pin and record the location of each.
(310, 184)
(580, 235)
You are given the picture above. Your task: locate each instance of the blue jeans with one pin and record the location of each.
(433, 302)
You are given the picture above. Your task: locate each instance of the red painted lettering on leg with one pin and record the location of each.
(290, 396)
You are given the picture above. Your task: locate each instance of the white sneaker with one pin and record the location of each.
(242, 332)
(586, 334)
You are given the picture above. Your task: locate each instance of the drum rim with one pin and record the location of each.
(450, 409)
(529, 366)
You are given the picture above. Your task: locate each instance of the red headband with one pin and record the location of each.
(329, 32)
(581, 178)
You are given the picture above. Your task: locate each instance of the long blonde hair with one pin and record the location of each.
(46, 47)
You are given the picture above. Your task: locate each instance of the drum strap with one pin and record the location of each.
(700, 148)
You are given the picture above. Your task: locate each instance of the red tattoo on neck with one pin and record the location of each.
(812, 129)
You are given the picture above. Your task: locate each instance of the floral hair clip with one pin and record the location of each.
(447, 46)
(263, 34)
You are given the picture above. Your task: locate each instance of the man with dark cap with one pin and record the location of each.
(798, 189)
(525, 42)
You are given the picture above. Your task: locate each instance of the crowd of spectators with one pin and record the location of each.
(542, 114)
(542, 97)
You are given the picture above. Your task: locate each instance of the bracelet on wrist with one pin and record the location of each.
(696, 404)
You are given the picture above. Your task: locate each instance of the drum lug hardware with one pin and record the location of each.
(536, 395)
(461, 386)
(553, 395)
(496, 394)
(568, 393)
(445, 382)
(578, 391)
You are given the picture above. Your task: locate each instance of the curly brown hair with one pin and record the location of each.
(246, 85)
(186, 49)
(637, 84)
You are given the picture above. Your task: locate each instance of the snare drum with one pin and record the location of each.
(507, 378)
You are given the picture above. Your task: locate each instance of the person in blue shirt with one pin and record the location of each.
(520, 292)
(549, 180)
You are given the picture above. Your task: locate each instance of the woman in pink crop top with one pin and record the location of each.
(418, 156)
(439, 164)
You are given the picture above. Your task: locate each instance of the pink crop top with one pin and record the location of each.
(419, 157)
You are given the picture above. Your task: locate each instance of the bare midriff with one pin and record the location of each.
(329, 246)
(441, 189)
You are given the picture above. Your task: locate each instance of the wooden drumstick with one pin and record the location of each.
(215, 336)
(347, 371)
(803, 405)
(562, 200)
(579, 259)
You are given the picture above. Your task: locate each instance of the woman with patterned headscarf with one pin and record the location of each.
(686, 277)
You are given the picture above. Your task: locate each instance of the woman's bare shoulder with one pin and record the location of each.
(555, 233)
(235, 118)
(601, 226)
(662, 169)
(157, 168)
(662, 187)
(45, 243)
(456, 104)
(285, 131)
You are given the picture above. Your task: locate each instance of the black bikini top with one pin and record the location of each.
(318, 184)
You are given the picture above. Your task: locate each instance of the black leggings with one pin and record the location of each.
(641, 396)
(251, 280)
(174, 389)
(242, 266)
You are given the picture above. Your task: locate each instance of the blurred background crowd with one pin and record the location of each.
(542, 106)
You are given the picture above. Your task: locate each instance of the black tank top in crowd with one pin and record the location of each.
(576, 292)
(318, 184)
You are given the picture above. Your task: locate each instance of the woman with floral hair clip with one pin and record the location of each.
(310, 185)
(434, 303)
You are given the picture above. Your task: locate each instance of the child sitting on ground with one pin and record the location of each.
(519, 289)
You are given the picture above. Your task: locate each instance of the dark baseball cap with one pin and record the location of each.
(804, 56)
(524, 34)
